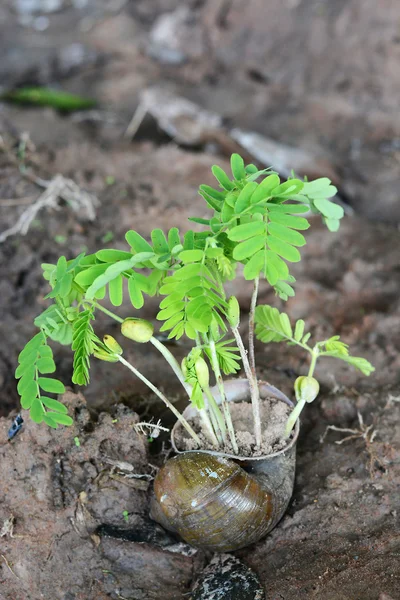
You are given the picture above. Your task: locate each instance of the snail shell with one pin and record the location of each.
(212, 502)
(223, 502)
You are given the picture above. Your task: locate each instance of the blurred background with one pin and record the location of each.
(162, 89)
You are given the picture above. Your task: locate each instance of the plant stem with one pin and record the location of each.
(106, 311)
(216, 416)
(314, 358)
(294, 415)
(220, 384)
(254, 391)
(253, 303)
(178, 415)
(301, 403)
(171, 360)
(208, 428)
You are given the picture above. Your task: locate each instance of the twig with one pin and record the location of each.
(136, 121)
(59, 188)
(15, 201)
(8, 565)
(365, 432)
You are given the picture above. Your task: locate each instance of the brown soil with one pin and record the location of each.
(274, 415)
(320, 75)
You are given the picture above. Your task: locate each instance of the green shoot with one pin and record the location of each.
(273, 326)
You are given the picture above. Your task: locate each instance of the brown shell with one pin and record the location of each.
(212, 502)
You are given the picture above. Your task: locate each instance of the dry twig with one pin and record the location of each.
(365, 432)
(58, 188)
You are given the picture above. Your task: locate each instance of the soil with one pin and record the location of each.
(320, 77)
(274, 416)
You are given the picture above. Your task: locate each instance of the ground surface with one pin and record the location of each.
(296, 73)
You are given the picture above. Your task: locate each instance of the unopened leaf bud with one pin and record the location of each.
(306, 388)
(137, 330)
(103, 355)
(233, 314)
(203, 375)
(112, 344)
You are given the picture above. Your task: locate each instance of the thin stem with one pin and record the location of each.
(208, 428)
(251, 327)
(220, 384)
(216, 416)
(314, 358)
(254, 391)
(178, 415)
(171, 360)
(294, 415)
(106, 311)
(301, 403)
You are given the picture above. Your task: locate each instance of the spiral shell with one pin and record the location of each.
(212, 502)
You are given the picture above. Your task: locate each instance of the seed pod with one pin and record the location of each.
(137, 330)
(306, 388)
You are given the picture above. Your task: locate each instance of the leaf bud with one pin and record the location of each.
(112, 344)
(306, 388)
(103, 355)
(137, 330)
(203, 375)
(233, 314)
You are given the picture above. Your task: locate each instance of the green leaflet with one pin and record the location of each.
(84, 343)
(190, 256)
(36, 358)
(193, 298)
(283, 249)
(276, 269)
(254, 266)
(237, 167)
(160, 242)
(246, 231)
(222, 178)
(287, 235)
(329, 209)
(212, 193)
(137, 242)
(288, 189)
(244, 198)
(115, 291)
(114, 271)
(265, 188)
(51, 385)
(288, 220)
(112, 256)
(249, 247)
(271, 325)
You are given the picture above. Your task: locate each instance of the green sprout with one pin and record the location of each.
(257, 221)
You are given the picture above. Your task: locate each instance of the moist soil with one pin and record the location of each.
(274, 416)
(74, 502)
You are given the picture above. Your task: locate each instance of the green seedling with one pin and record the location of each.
(256, 221)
